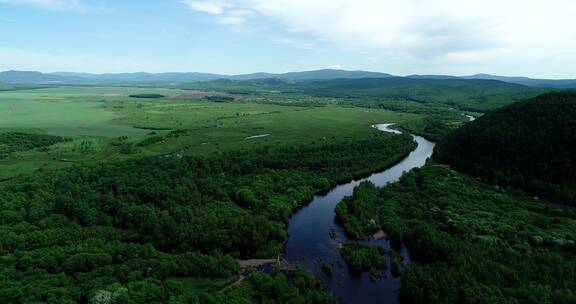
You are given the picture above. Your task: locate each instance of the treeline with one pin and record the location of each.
(529, 145)
(19, 141)
(150, 140)
(6, 87)
(433, 127)
(472, 242)
(464, 94)
(123, 228)
(149, 96)
(437, 122)
(219, 98)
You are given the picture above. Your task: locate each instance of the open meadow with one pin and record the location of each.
(104, 123)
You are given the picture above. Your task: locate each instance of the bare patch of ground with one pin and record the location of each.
(380, 235)
(255, 263)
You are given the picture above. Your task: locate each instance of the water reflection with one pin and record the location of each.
(310, 242)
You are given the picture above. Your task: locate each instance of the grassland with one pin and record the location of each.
(62, 111)
(103, 121)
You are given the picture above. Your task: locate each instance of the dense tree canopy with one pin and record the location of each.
(152, 96)
(19, 141)
(472, 242)
(122, 229)
(363, 258)
(529, 144)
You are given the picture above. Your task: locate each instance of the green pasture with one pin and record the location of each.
(97, 117)
(289, 127)
(65, 111)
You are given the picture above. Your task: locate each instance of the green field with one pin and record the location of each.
(95, 118)
(64, 111)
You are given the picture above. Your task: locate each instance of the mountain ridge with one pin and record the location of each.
(35, 77)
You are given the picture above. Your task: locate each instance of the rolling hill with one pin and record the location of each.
(29, 77)
(531, 82)
(5, 86)
(473, 95)
(545, 83)
(529, 145)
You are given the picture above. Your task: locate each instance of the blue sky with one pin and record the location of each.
(534, 38)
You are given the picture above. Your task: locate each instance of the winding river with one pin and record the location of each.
(310, 242)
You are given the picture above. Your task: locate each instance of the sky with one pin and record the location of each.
(535, 38)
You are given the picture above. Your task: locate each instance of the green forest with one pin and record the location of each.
(529, 145)
(149, 96)
(472, 242)
(484, 237)
(363, 258)
(470, 95)
(133, 230)
(19, 141)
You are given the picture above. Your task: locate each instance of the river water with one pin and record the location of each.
(310, 243)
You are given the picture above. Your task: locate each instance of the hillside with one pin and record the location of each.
(529, 144)
(29, 77)
(474, 95)
(545, 83)
(526, 81)
(5, 86)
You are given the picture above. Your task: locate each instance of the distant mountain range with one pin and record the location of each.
(531, 82)
(33, 77)
(549, 83)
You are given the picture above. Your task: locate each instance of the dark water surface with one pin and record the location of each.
(310, 242)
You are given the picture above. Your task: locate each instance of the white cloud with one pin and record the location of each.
(226, 11)
(294, 44)
(208, 6)
(231, 20)
(60, 5)
(235, 16)
(441, 31)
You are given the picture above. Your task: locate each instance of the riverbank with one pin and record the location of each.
(315, 238)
